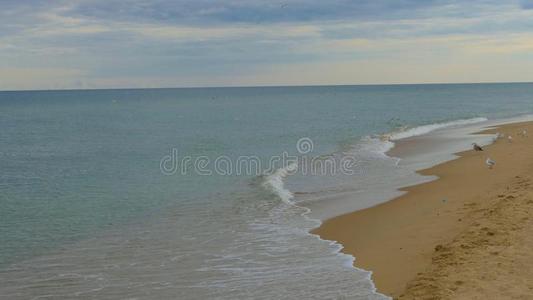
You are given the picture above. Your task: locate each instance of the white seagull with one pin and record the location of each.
(490, 163)
(510, 138)
(524, 133)
(476, 147)
(497, 136)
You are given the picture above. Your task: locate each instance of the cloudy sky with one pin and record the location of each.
(48, 44)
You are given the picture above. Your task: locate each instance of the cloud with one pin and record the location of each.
(246, 11)
(204, 42)
(526, 4)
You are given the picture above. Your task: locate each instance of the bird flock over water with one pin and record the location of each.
(489, 161)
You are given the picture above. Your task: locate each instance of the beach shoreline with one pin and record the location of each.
(418, 244)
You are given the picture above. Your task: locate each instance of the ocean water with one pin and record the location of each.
(98, 198)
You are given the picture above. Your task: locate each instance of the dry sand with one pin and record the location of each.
(467, 235)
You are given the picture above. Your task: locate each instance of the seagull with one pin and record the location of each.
(477, 147)
(490, 163)
(510, 138)
(497, 136)
(524, 133)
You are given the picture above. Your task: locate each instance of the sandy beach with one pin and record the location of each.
(466, 235)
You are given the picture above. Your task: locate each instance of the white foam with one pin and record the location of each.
(373, 145)
(381, 144)
(274, 183)
(369, 187)
(425, 129)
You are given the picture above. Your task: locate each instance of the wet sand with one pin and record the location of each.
(467, 235)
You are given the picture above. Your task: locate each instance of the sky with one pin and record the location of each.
(46, 44)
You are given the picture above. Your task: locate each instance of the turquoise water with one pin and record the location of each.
(81, 181)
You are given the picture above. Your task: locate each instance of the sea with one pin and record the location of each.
(211, 193)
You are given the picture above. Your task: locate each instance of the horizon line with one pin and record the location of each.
(264, 86)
